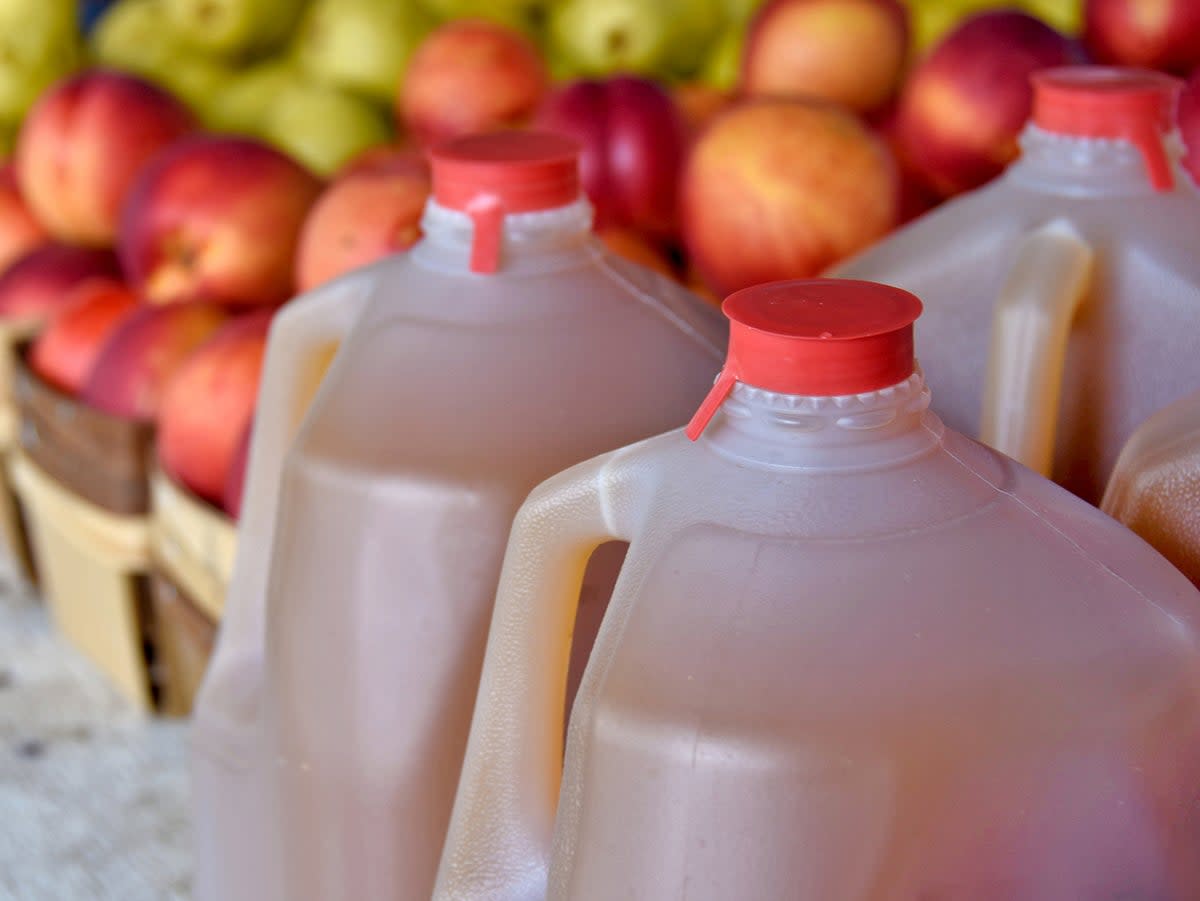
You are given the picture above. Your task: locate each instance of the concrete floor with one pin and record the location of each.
(93, 795)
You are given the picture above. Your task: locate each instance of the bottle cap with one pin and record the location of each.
(820, 337)
(489, 176)
(1137, 105)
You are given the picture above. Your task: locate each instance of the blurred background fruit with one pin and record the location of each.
(83, 145)
(41, 280)
(1189, 124)
(20, 230)
(231, 494)
(371, 210)
(1157, 34)
(40, 42)
(65, 351)
(127, 377)
(233, 26)
(323, 127)
(964, 105)
(634, 142)
(471, 76)
(783, 189)
(207, 404)
(851, 52)
(216, 218)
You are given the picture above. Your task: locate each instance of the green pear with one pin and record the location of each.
(242, 105)
(135, 36)
(322, 127)
(39, 44)
(528, 16)
(361, 45)
(739, 12)
(697, 24)
(600, 37)
(233, 27)
(723, 68)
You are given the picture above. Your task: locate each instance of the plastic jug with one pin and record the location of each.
(852, 655)
(507, 345)
(1061, 298)
(1155, 488)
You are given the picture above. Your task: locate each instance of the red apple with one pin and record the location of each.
(781, 189)
(41, 280)
(20, 232)
(82, 145)
(630, 245)
(470, 76)
(217, 218)
(372, 211)
(1189, 124)
(208, 403)
(849, 51)
(964, 106)
(68, 347)
(1156, 34)
(127, 378)
(634, 142)
(231, 495)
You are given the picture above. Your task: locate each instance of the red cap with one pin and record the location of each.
(489, 176)
(1137, 105)
(820, 337)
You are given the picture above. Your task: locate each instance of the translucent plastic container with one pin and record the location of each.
(852, 656)
(1061, 299)
(1155, 489)
(507, 345)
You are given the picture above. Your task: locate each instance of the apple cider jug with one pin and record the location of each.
(1061, 298)
(1155, 488)
(505, 346)
(852, 655)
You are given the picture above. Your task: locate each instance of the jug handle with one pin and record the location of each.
(498, 844)
(303, 335)
(1030, 328)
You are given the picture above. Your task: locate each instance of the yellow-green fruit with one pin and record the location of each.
(322, 127)
(931, 20)
(233, 27)
(244, 101)
(723, 68)
(39, 44)
(1065, 15)
(604, 37)
(698, 24)
(135, 36)
(528, 16)
(361, 45)
(739, 12)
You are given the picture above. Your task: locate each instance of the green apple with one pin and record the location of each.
(135, 36)
(723, 68)
(323, 127)
(242, 105)
(361, 45)
(233, 27)
(600, 37)
(39, 44)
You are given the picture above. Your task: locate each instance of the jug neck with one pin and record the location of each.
(830, 434)
(1086, 167)
(529, 242)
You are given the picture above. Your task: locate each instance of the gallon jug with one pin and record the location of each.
(1061, 298)
(1155, 489)
(852, 655)
(507, 345)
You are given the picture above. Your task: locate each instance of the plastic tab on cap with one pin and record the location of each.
(492, 175)
(820, 337)
(1136, 105)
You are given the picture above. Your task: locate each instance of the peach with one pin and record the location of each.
(66, 350)
(851, 52)
(128, 375)
(1156, 34)
(699, 103)
(368, 213)
(780, 189)
(630, 245)
(41, 280)
(216, 218)
(961, 111)
(471, 76)
(208, 403)
(20, 232)
(83, 144)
